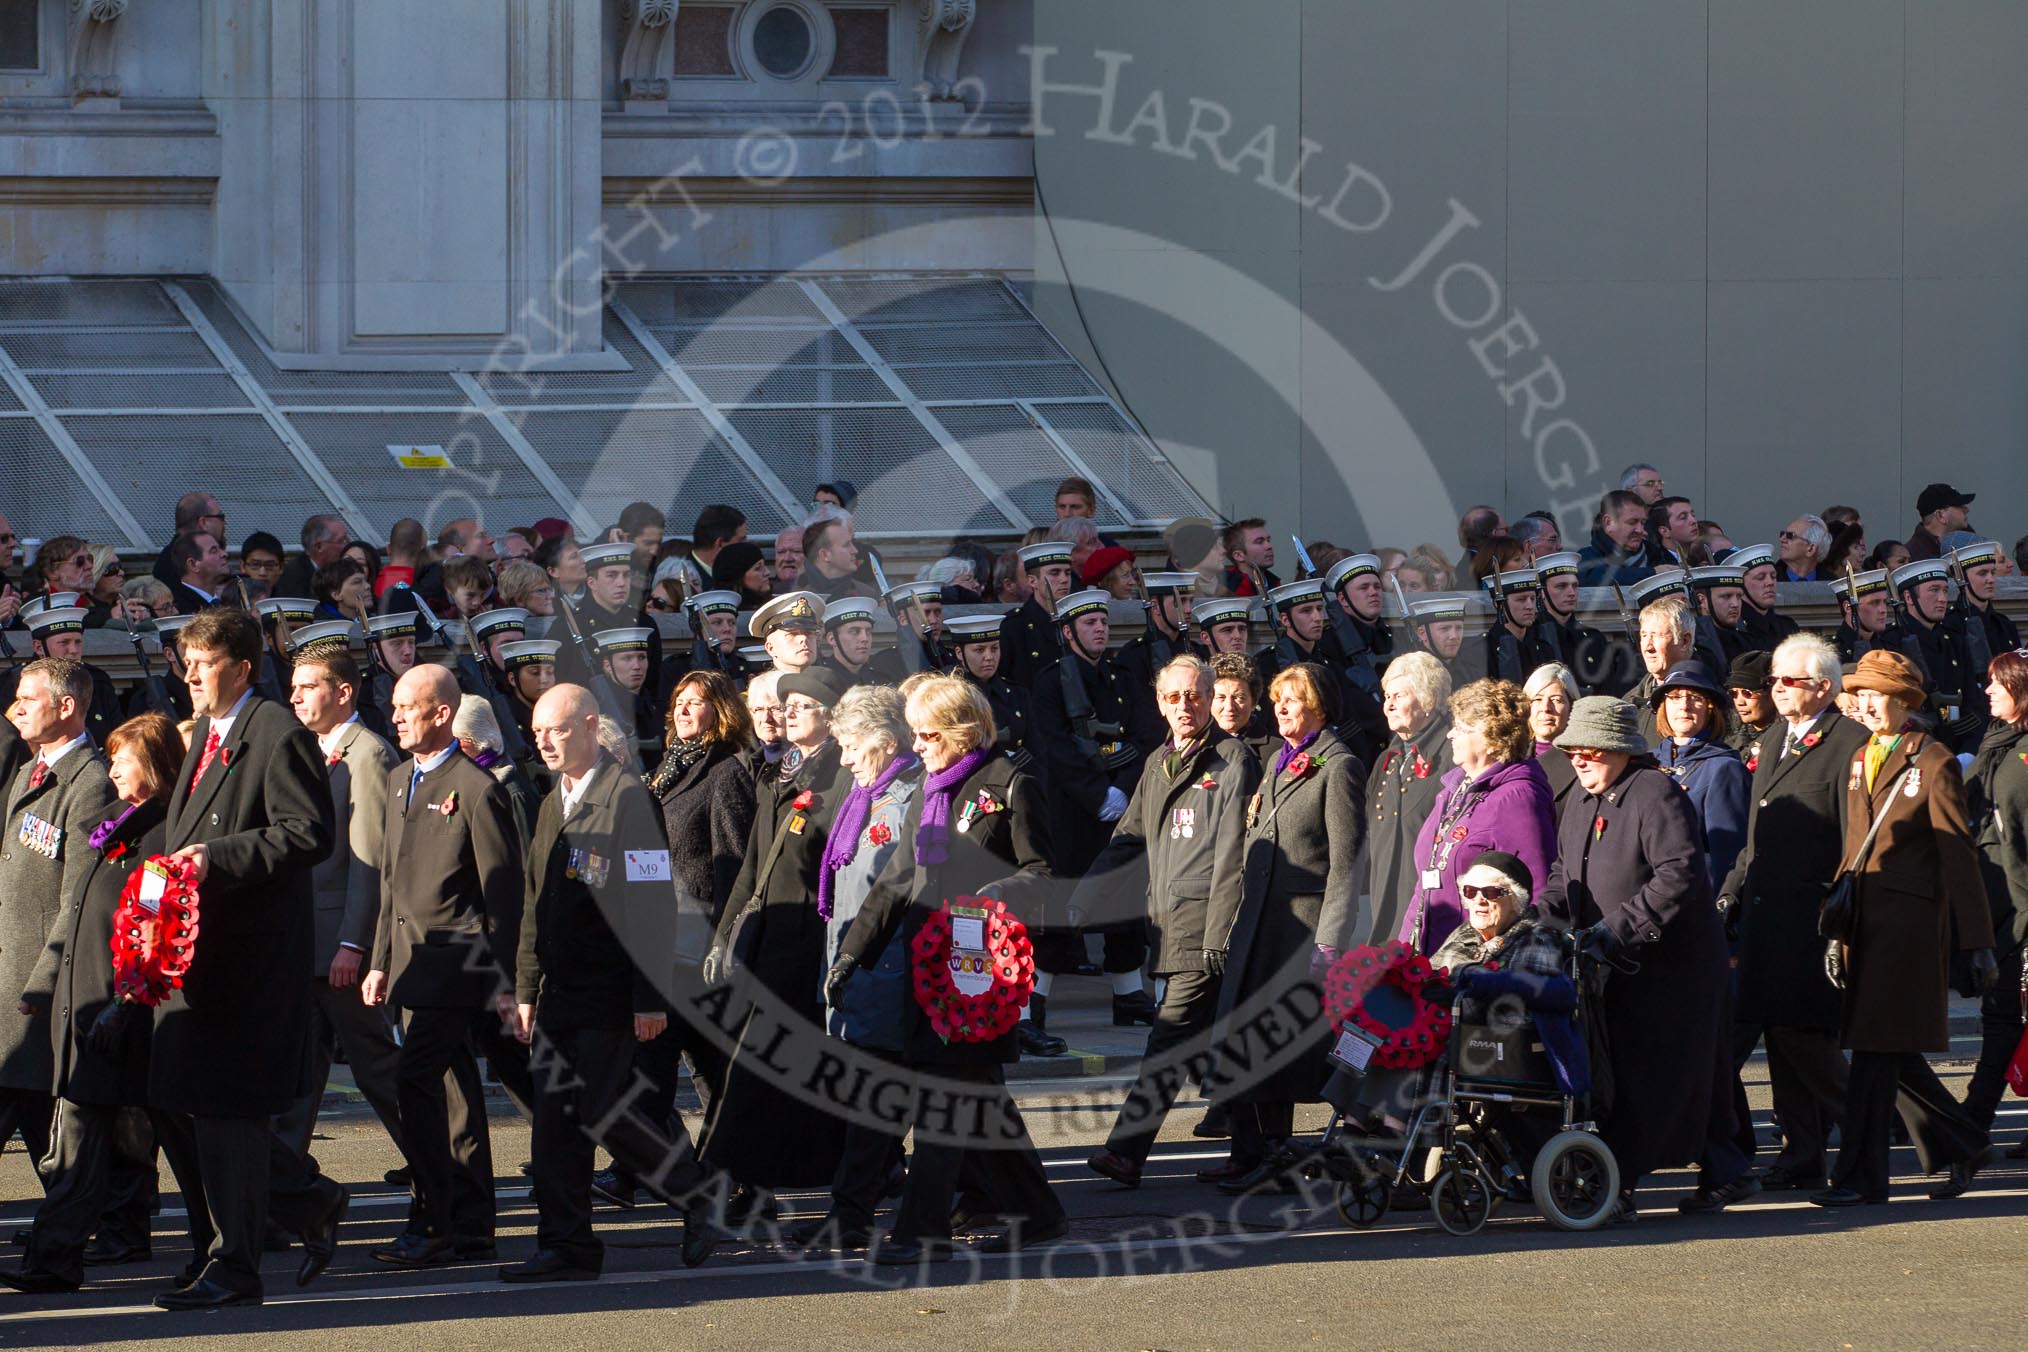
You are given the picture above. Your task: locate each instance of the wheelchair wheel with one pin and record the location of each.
(1575, 1181)
(1363, 1201)
(1461, 1201)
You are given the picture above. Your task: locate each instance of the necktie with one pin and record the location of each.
(415, 781)
(211, 745)
(38, 774)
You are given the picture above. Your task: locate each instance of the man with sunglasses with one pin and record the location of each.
(196, 510)
(1795, 841)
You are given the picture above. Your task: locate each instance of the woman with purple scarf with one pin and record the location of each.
(1498, 798)
(976, 828)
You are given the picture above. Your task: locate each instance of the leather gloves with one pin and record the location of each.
(1321, 960)
(1214, 961)
(1729, 913)
(716, 967)
(1985, 970)
(1834, 963)
(840, 973)
(109, 1028)
(1114, 807)
(1597, 941)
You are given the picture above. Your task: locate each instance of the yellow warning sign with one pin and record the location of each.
(420, 457)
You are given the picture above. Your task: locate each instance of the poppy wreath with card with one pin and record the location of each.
(1358, 973)
(1001, 976)
(155, 932)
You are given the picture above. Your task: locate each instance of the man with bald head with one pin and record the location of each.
(450, 906)
(600, 891)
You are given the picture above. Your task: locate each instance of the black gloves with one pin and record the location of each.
(109, 1028)
(1729, 914)
(1985, 971)
(1834, 963)
(1598, 941)
(1214, 961)
(840, 973)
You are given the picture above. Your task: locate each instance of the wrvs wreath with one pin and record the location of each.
(1362, 970)
(972, 992)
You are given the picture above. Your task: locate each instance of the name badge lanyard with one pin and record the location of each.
(1456, 808)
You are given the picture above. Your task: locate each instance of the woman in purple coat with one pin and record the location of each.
(1497, 798)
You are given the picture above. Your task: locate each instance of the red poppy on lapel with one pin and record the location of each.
(804, 800)
(1598, 825)
(879, 833)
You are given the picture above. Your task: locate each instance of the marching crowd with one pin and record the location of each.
(586, 862)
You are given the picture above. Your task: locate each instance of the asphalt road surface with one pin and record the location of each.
(1168, 1266)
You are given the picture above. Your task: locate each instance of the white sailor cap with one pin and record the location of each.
(965, 629)
(504, 619)
(57, 620)
(624, 639)
(755, 654)
(1751, 557)
(56, 600)
(1082, 603)
(1652, 589)
(845, 609)
(1047, 551)
(1717, 575)
(394, 624)
(1515, 579)
(602, 556)
(529, 652)
(714, 602)
(796, 610)
(1867, 583)
(1971, 556)
(168, 625)
(1169, 584)
(1433, 608)
(1292, 594)
(1345, 569)
(323, 631)
(1921, 571)
(1563, 561)
(1206, 611)
(901, 593)
(294, 609)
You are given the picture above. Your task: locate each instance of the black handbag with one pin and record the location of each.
(1838, 917)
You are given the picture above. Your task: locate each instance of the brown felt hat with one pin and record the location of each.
(1889, 673)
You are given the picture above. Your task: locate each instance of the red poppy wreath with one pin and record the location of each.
(1361, 971)
(973, 994)
(155, 930)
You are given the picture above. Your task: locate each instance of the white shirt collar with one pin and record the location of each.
(223, 726)
(209, 596)
(327, 742)
(54, 754)
(573, 794)
(1799, 729)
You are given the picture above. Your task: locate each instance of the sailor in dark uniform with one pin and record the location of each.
(1439, 625)
(848, 644)
(623, 657)
(491, 631)
(173, 700)
(1600, 665)
(1720, 590)
(1865, 619)
(921, 642)
(714, 624)
(1759, 576)
(58, 631)
(1940, 650)
(608, 604)
(1168, 611)
(1513, 648)
(1978, 571)
(1354, 593)
(975, 647)
(1029, 641)
(531, 674)
(1226, 623)
(391, 641)
(790, 627)
(281, 617)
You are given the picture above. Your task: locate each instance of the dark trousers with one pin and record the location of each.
(339, 1018)
(1258, 1128)
(30, 1112)
(1807, 1073)
(660, 1062)
(1745, 1037)
(2000, 1026)
(443, 1126)
(1189, 1003)
(1006, 1173)
(235, 1174)
(506, 1060)
(79, 1170)
(588, 1095)
(1881, 1082)
(1061, 951)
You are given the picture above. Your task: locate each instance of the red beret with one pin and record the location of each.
(1103, 561)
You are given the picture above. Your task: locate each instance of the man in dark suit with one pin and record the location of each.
(53, 802)
(323, 691)
(1794, 849)
(450, 876)
(201, 571)
(252, 816)
(598, 891)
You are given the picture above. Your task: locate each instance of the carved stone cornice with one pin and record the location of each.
(941, 29)
(647, 51)
(93, 77)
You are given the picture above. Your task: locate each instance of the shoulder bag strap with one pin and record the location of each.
(1866, 845)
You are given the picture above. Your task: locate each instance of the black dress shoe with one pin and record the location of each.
(411, 1250)
(1117, 1167)
(1033, 1041)
(38, 1283)
(699, 1239)
(398, 1178)
(749, 1204)
(1215, 1125)
(1778, 1179)
(892, 1252)
(274, 1239)
(104, 1253)
(607, 1186)
(320, 1239)
(2018, 1150)
(1129, 1010)
(1019, 1237)
(472, 1248)
(1232, 1168)
(549, 1266)
(1960, 1176)
(1705, 1201)
(205, 1294)
(1835, 1197)
(1270, 1175)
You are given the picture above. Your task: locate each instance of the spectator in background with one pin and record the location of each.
(1837, 518)
(740, 567)
(406, 551)
(1538, 534)
(1644, 482)
(831, 556)
(64, 563)
(1417, 573)
(642, 525)
(1435, 567)
(2021, 556)
(980, 561)
(1672, 533)
(107, 575)
(954, 576)
(1249, 558)
(1888, 554)
(514, 544)
(558, 556)
(261, 557)
(324, 537)
(468, 586)
(145, 598)
(839, 493)
(1499, 554)
(524, 584)
(1111, 570)
(341, 590)
(1941, 510)
(195, 510)
(368, 558)
(1010, 579)
(1478, 525)
(1717, 544)
(716, 527)
(1082, 534)
(200, 571)
(465, 536)
(1076, 497)
(789, 556)
(1390, 559)
(1617, 554)
(1194, 547)
(1847, 547)
(1802, 548)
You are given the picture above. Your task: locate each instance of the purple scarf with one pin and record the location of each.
(103, 832)
(850, 824)
(933, 832)
(1291, 750)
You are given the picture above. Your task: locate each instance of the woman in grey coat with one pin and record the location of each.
(1305, 831)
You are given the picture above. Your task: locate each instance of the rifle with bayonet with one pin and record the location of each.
(269, 680)
(151, 680)
(1412, 640)
(915, 640)
(478, 674)
(596, 679)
